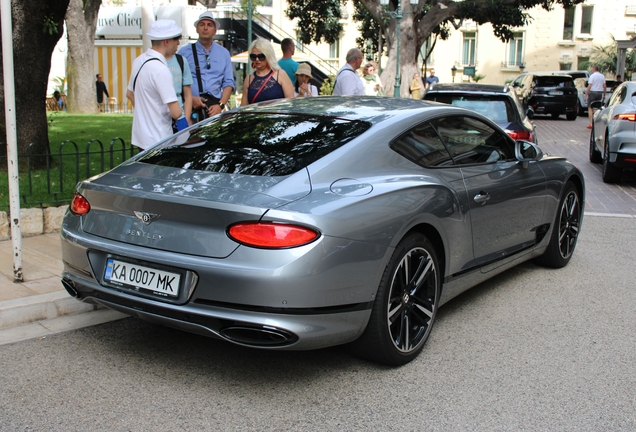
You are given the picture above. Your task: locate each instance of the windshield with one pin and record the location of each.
(263, 144)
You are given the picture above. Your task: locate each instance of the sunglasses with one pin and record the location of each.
(259, 57)
(207, 62)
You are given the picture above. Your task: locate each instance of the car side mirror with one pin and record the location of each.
(526, 152)
(596, 105)
(530, 112)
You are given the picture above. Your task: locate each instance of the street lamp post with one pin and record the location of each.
(397, 14)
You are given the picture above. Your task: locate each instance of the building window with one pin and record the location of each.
(565, 66)
(424, 50)
(468, 52)
(334, 49)
(586, 19)
(299, 45)
(582, 60)
(514, 50)
(568, 24)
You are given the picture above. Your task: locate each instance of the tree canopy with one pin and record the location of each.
(37, 26)
(320, 21)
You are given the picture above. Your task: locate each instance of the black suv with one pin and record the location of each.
(498, 103)
(548, 94)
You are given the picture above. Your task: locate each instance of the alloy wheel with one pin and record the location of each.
(412, 301)
(569, 224)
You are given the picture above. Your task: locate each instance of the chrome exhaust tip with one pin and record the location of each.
(264, 336)
(70, 288)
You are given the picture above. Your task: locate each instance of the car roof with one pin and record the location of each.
(373, 109)
(559, 72)
(546, 74)
(468, 88)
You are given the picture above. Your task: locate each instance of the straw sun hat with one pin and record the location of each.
(304, 69)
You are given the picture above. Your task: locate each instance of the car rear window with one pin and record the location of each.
(554, 81)
(261, 144)
(497, 108)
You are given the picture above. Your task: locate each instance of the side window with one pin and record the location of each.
(422, 146)
(618, 97)
(470, 141)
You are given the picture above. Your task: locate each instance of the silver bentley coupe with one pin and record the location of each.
(306, 223)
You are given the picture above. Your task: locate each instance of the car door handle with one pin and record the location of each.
(481, 197)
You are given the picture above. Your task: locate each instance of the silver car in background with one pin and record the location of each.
(307, 223)
(613, 134)
(581, 87)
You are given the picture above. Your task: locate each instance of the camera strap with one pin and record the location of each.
(196, 67)
(142, 65)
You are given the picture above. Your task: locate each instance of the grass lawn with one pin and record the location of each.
(73, 158)
(81, 128)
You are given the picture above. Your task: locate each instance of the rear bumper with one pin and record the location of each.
(294, 331)
(542, 105)
(622, 149)
(311, 297)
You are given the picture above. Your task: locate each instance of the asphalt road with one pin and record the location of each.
(532, 349)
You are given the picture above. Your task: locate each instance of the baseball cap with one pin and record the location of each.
(207, 16)
(164, 29)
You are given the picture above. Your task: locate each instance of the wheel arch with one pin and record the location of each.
(578, 182)
(433, 235)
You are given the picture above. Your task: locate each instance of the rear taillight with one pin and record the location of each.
(625, 116)
(270, 235)
(520, 135)
(79, 205)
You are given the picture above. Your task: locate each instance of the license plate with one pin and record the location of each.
(556, 93)
(139, 277)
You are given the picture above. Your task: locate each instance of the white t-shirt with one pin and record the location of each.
(596, 80)
(348, 82)
(312, 89)
(152, 121)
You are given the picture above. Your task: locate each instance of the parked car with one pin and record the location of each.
(613, 135)
(581, 87)
(548, 94)
(573, 73)
(306, 223)
(499, 103)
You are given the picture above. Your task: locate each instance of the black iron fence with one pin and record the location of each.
(49, 179)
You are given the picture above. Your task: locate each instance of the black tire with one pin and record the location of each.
(565, 232)
(610, 173)
(571, 115)
(405, 306)
(594, 154)
(555, 115)
(582, 111)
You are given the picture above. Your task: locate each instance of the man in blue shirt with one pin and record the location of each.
(431, 79)
(286, 63)
(215, 67)
(182, 80)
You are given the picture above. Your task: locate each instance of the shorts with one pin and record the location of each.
(594, 96)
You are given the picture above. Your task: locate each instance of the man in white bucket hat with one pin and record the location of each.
(154, 100)
(211, 67)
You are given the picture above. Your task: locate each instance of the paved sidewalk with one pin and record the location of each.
(40, 306)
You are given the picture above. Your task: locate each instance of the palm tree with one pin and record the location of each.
(605, 57)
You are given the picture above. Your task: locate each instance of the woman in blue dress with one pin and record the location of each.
(268, 81)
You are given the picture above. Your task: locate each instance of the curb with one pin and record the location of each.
(34, 221)
(20, 311)
(44, 328)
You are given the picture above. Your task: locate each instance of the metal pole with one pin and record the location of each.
(147, 18)
(12, 138)
(398, 15)
(249, 34)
